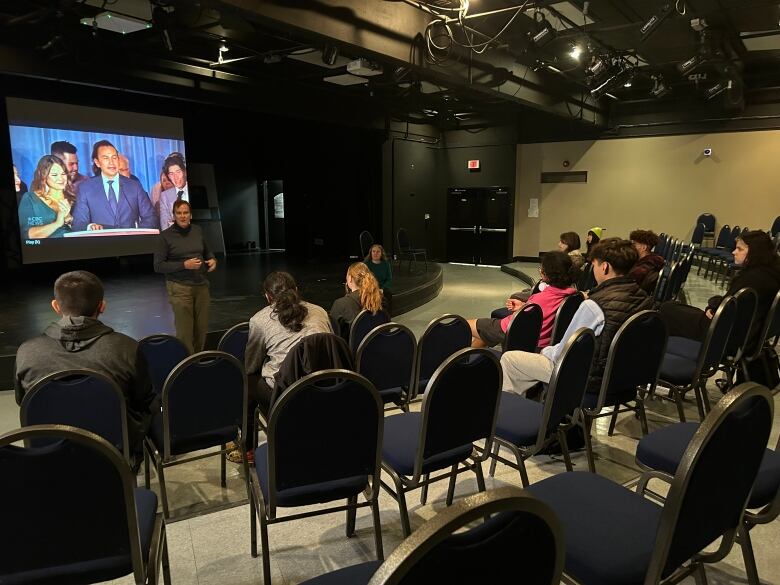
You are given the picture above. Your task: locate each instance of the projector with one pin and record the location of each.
(121, 16)
(363, 67)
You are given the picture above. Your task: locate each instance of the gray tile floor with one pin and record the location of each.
(214, 548)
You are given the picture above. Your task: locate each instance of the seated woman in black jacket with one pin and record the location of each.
(760, 270)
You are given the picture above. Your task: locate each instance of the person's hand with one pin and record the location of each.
(63, 209)
(193, 264)
(514, 305)
(709, 312)
(212, 264)
(93, 227)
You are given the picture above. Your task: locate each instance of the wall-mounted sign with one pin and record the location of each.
(473, 165)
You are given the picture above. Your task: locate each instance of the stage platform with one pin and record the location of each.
(137, 303)
(528, 272)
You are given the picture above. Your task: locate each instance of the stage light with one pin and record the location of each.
(597, 67)
(329, 54)
(628, 83)
(602, 89)
(718, 88)
(652, 24)
(575, 52)
(691, 64)
(660, 89)
(544, 30)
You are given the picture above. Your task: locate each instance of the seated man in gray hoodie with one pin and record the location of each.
(79, 340)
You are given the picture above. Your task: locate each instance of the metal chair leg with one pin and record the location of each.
(264, 544)
(252, 528)
(586, 424)
(480, 476)
(351, 514)
(163, 491)
(223, 468)
(380, 553)
(699, 575)
(401, 496)
(747, 554)
(451, 487)
(613, 421)
(640, 407)
(678, 402)
(424, 489)
(564, 450)
(494, 458)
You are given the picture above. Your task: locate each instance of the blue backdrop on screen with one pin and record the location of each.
(146, 155)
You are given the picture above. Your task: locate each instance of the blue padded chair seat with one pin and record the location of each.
(496, 352)
(316, 493)
(518, 419)
(354, 575)
(400, 442)
(392, 395)
(663, 449)
(684, 347)
(192, 443)
(677, 369)
(97, 570)
(610, 532)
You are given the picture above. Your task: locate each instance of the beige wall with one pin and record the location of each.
(659, 183)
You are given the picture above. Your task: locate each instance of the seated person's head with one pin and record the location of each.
(78, 294)
(557, 269)
(644, 241)
(376, 254)
(569, 241)
(281, 291)
(755, 248)
(612, 257)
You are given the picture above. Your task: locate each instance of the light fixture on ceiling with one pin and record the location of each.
(544, 30)
(329, 54)
(221, 52)
(652, 23)
(718, 88)
(575, 52)
(660, 88)
(629, 82)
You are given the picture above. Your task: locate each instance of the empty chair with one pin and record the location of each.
(366, 241)
(564, 315)
(84, 399)
(631, 370)
(661, 452)
(688, 363)
(459, 408)
(362, 324)
(233, 341)
(520, 536)
(72, 512)
(204, 404)
(709, 225)
(405, 248)
(442, 337)
(747, 302)
(775, 229)
(721, 243)
(162, 353)
(697, 238)
(768, 336)
(324, 438)
(525, 427)
(615, 536)
(524, 329)
(386, 357)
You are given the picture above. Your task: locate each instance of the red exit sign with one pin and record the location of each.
(473, 165)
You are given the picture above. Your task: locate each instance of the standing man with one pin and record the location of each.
(109, 200)
(183, 256)
(68, 154)
(176, 171)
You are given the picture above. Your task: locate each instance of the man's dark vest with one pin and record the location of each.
(618, 298)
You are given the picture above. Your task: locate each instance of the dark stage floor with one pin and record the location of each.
(137, 303)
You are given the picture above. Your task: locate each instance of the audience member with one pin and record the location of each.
(649, 265)
(615, 298)
(759, 267)
(593, 238)
(570, 243)
(79, 340)
(184, 257)
(378, 264)
(273, 332)
(558, 273)
(68, 154)
(45, 210)
(362, 291)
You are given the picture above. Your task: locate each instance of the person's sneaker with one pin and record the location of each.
(235, 456)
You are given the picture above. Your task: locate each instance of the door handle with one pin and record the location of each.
(495, 230)
(473, 229)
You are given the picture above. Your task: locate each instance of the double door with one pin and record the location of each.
(479, 225)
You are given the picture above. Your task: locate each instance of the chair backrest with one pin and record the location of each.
(362, 324)
(770, 331)
(666, 285)
(366, 241)
(564, 315)
(442, 337)
(659, 247)
(524, 329)
(313, 353)
(403, 239)
(162, 353)
(84, 399)
(698, 234)
(775, 229)
(74, 499)
(586, 281)
(703, 503)
(709, 222)
(386, 357)
(733, 235)
(723, 236)
(204, 393)
(714, 345)
(234, 341)
(635, 356)
(325, 427)
(515, 521)
(460, 405)
(568, 382)
(747, 303)
(678, 276)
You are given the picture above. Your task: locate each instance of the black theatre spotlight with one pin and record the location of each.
(659, 89)
(652, 24)
(544, 30)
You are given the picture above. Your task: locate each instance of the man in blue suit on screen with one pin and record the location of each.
(109, 200)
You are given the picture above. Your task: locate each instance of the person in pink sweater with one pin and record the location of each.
(557, 275)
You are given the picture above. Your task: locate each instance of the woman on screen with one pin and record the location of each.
(44, 211)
